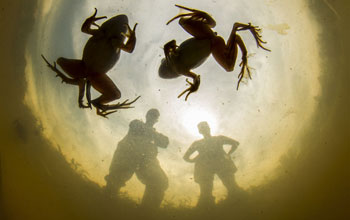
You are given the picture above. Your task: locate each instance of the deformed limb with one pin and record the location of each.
(192, 88)
(244, 66)
(254, 30)
(82, 83)
(226, 53)
(181, 15)
(244, 63)
(88, 93)
(195, 14)
(104, 110)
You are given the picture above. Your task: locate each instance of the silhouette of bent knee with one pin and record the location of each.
(73, 67)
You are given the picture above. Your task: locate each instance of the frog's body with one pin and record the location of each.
(189, 55)
(101, 53)
(180, 60)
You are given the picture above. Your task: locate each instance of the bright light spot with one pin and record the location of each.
(193, 115)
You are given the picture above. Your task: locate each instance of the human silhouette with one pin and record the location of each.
(137, 153)
(212, 159)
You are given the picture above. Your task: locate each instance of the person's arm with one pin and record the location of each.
(160, 140)
(189, 152)
(234, 144)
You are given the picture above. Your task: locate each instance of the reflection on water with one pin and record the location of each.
(291, 159)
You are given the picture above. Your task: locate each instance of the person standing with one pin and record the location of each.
(212, 159)
(137, 153)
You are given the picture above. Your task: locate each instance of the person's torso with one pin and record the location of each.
(210, 149)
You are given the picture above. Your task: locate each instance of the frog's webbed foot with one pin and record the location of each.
(192, 88)
(104, 113)
(104, 110)
(86, 27)
(255, 30)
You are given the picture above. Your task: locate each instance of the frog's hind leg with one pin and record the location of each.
(199, 24)
(75, 70)
(109, 92)
(226, 53)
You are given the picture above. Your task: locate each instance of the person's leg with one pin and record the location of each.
(230, 184)
(204, 176)
(226, 175)
(206, 197)
(119, 173)
(156, 181)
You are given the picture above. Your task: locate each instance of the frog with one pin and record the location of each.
(100, 54)
(181, 59)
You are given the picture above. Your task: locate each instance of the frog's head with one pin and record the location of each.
(167, 71)
(115, 26)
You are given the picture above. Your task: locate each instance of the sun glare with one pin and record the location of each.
(193, 116)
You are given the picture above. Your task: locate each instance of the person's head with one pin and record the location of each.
(203, 128)
(152, 116)
(136, 128)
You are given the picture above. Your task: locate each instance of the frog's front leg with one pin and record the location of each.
(193, 86)
(86, 27)
(129, 46)
(170, 51)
